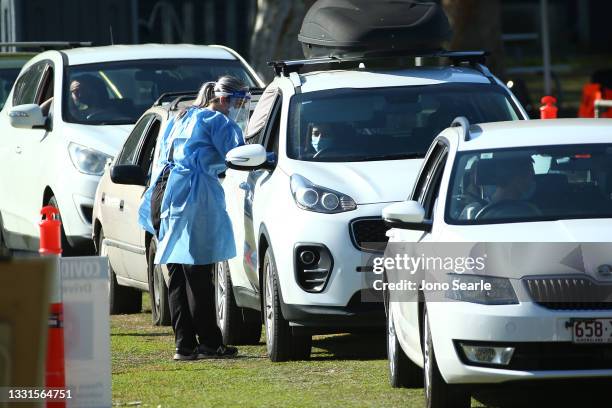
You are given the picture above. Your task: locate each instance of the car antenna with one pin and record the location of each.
(110, 28)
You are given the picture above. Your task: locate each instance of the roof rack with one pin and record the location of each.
(476, 58)
(464, 124)
(47, 45)
(177, 97)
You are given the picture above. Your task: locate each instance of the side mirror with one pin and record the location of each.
(129, 174)
(248, 157)
(27, 116)
(406, 215)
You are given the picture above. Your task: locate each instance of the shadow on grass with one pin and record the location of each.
(548, 393)
(354, 346)
(141, 334)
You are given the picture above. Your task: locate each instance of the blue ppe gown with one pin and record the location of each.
(195, 228)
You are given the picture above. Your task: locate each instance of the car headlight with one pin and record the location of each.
(486, 290)
(86, 160)
(311, 197)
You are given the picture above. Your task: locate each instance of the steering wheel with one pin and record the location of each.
(508, 207)
(326, 151)
(97, 113)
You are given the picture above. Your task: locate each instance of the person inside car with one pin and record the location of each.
(320, 137)
(514, 181)
(88, 96)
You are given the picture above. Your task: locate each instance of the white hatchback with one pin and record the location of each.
(55, 142)
(533, 181)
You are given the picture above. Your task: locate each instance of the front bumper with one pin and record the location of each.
(339, 303)
(337, 318)
(543, 341)
(76, 199)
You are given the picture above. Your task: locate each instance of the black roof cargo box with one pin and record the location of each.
(354, 28)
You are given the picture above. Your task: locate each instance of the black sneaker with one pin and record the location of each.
(204, 351)
(184, 355)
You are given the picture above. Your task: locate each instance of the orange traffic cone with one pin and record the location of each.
(50, 244)
(548, 110)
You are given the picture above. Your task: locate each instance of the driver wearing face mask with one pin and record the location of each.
(320, 137)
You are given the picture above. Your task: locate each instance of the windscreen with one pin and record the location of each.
(531, 184)
(386, 123)
(119, 92)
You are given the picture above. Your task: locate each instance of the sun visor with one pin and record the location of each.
(261, 113)
(356, 28)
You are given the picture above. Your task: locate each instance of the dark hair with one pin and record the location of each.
(206, 95)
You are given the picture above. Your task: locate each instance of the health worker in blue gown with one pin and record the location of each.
(185, 209)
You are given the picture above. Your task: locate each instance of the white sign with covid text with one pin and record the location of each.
(86, 331)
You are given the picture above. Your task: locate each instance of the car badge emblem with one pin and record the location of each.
(604, 270)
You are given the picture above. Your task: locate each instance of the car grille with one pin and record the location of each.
(570, 293)
(369, 234)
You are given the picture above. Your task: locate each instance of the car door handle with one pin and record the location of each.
(244, 186)
(18, 149)
(121, 204)
(103, 198)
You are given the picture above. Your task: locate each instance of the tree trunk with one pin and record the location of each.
(277, 25)
(477, 25)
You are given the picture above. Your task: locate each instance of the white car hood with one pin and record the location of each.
(105, 138)
(582, 230)
(365, 182)
(568, 247)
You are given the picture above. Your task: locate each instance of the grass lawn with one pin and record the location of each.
(345, 370)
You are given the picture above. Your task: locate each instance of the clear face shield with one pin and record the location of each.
(239, 107)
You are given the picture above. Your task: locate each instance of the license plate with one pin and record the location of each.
(592, 331)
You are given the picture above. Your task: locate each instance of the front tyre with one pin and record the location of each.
(238, 325)
(403, 373)
(282, 344)
(123, 299)
(158, 291)
(439, 394)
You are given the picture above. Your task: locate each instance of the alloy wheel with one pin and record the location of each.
(391, 341)
(158, 288)
(221, 293)
(428, 369)
(104, 252)
(269, 312)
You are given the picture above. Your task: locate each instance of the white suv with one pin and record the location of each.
(543, 316)
(53, 150)
(303, 217)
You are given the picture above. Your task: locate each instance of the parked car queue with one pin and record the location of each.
(255, 292)
(302, 212)
(320, 145)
